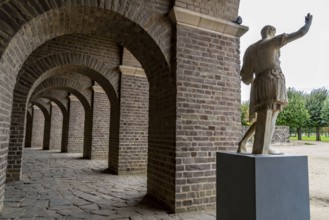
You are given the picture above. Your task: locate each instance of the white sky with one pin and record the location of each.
(304, 62)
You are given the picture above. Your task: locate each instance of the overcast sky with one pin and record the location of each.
(304, 62)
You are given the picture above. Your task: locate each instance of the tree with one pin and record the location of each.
(295, 115)
(325, 112)
(245, 113)
(315, 103)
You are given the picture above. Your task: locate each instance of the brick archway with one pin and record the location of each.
(56, 83)
(30, 78)
(140, 30)
(78, 91)
(63, 106)
(44, 107)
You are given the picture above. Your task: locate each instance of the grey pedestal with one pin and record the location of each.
(262, 187)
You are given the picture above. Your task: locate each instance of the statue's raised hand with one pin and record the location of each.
(308, 18)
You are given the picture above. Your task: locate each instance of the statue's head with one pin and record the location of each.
(268, 30)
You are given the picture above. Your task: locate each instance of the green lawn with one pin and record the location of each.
(311, 138)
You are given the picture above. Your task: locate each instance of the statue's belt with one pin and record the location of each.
(276, 73)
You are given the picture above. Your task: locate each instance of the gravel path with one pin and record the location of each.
(318, 165)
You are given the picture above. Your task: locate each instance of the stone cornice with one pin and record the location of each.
(132, 71)
(98, 89)
(207, 23)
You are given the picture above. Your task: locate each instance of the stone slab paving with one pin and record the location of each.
(63, 186)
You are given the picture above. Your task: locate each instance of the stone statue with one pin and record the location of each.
(261, 68)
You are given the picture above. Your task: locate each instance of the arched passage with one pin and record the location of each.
(162, 82)
(54, 65)
(44, 106)
(63, 106)
(77, 90)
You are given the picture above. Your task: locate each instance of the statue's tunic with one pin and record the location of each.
(268, 90)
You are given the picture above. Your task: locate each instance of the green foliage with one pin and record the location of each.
(295, 115)
(307, 111)
(245, 113)
(325, 113)
(315, 103)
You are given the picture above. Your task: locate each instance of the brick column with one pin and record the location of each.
(56, 127)
(28, 127)
(208, 101)
(65, 131)
(76, 125)
(101, 124)
(47, 127)
(37, 128)
(134, 104)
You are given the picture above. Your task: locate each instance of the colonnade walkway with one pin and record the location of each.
(62, 186)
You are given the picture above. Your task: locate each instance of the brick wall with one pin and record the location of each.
(56, 128)
(76, 127)
(101, 124)
(133, 124)
(37, 128)
(129, 60)
(227, 9)
(208, 117)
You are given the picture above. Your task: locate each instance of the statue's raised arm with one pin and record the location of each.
(302, 31)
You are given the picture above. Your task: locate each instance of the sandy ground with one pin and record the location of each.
(318, 164)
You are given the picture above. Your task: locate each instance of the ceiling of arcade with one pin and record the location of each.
(59, 97)
(101, 48)
(72, 81)
(60, 17)
(43, 104)
(47, 29)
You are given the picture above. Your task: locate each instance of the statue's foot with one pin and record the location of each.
(242, 147)
(274, 152)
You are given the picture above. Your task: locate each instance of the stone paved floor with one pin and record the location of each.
(62, 186)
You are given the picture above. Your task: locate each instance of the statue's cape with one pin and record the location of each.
(247, 73)
(249, 58)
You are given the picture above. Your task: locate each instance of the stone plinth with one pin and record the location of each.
(262, 187)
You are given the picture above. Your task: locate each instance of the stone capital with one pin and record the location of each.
(132, 71)
(97, 89)
(208, 23)
(73, 98)
(36, 107)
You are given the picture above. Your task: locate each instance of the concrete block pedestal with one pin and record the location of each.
(262, 187)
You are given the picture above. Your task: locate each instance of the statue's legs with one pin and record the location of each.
(243, 143)
(274, 117)
(263, 133)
